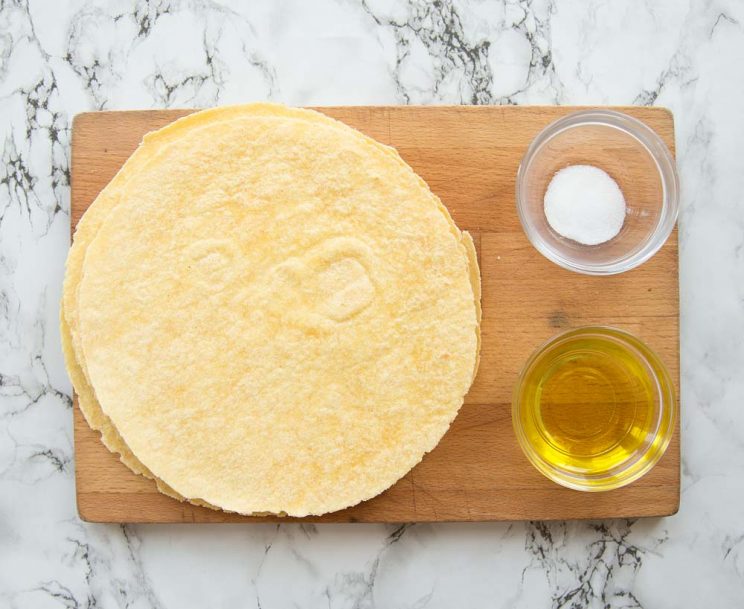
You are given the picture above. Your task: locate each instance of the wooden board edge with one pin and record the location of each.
(92, 515)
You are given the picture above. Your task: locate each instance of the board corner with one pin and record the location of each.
(83, 120)
(85, 512)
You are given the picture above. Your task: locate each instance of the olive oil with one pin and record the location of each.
(590, 408)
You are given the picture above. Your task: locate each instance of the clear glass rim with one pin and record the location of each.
(633, 468)
(665, 165)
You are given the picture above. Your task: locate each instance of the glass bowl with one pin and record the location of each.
(594, 409)
(634, 156)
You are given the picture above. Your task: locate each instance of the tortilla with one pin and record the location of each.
(283, 239)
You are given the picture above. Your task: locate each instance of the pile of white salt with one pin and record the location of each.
(585, 204)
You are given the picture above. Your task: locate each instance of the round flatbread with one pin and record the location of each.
(277, 315)
(94, 216)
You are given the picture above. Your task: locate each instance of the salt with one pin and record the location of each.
(585, 204)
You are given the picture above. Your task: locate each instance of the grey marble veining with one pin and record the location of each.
(60, 58)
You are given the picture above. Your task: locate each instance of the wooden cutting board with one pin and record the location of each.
(469, 157)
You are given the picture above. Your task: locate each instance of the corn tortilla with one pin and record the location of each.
(294, 296)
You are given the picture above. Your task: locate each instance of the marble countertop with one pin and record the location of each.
(58, 59)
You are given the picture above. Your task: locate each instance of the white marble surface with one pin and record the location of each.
(60, 58)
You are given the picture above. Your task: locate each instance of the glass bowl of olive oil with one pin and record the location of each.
(594, 409)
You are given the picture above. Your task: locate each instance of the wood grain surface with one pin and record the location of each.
(469, 157)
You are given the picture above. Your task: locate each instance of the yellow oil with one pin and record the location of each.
(590, 404)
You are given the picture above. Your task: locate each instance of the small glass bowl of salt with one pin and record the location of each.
(597, 192)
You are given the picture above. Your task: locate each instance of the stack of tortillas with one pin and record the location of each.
(266, 311)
